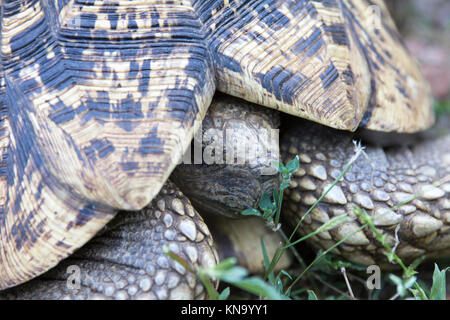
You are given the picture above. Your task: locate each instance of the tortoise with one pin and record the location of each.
(101, 99)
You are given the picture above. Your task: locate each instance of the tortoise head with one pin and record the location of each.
(99, 101)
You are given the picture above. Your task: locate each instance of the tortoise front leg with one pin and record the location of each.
(127, 260)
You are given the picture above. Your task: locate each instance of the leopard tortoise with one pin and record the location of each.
(101, 99)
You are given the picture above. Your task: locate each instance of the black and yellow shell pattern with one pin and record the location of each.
(99, 99)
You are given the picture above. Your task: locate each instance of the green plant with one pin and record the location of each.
(441, 107)
(281, 285)
(406, 283)
(228, 272)
(270, 205)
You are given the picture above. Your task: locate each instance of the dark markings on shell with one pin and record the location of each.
(329, 3)
(329, 75)
(310, 45)
(390, 76)
(282, 82)
(99, 148)
(100, 99)
(338, 33)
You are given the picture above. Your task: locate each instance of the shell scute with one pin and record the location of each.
(99, 100)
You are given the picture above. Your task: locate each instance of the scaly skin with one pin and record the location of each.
(392, 175)
(126, 260)
(100, 99)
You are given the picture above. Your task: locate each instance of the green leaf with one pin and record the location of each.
(416, 262)
(382, 238)
(419, 293)
(224, 294)
(311, 295)
(212, 292)
(235, 274)
(288, 293)
(285, 184)
(276, 257)
(225, 264)
(266, 203)
(268, 215)
(257, 286)
(438, 289)
(331, 261)
(402, 284)
(278, 284)
(398, 282)
(178, 259)
(251, 212)
(276, 196)
(278, 165)
(293, 165)
(264, 253)
(442, 107)
(270, 276)
(286, 274)
(410, 282)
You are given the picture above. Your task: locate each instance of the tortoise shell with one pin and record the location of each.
(99, 99)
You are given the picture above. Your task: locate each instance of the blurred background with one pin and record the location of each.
(425, 26)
